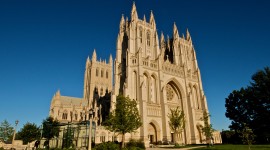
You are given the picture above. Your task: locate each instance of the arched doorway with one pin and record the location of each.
(152, 133)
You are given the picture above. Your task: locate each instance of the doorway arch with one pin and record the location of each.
(153, 132)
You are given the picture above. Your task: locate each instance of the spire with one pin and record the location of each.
(118, 46)
(162, 41)
(87, 62)
(94, 56)
(175, 31)
(122, 24)
(134, 15)
(188, 36)
(57, 94)
(152, 19)
(168, 41)
(162, 38)
(110, 59)
(144, 18)
(183, 36)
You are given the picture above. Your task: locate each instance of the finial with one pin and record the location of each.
(134, 14)
(94, 55)
(152, 19)
(110, 60)
(58, 94)
(162, 37)
(175, 31)
(188, 36)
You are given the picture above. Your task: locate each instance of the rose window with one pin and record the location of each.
(169, 92)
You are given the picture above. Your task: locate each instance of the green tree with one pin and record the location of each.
(176, 122)
(247, 136)
(50, 128)
(260, 95)
(28, 133)
(239, 109)
(251, 105)
(125, 118)
(207, 129)
(6, 131)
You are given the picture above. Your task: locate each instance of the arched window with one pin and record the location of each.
(97, 72)
(140, 35)
(71, 115)
(195, 98)
(145, 88)
(148, 39)
(64, 115)
(76, 116)
(101, 73)
(107, 74)
(101, 91)
(81, 114)
(134, 79)
(153, 89)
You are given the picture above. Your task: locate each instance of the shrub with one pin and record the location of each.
(135, 145)
(177, 145)
(107, 146)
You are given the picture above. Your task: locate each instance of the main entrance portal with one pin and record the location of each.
(152, 133)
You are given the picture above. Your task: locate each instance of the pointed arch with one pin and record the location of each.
(134, 80)
(148, 37)
(154, 131)
(196, 97)
(65, 115)
(97, 72)
(177, 87)
(153, 88)
(145, 86)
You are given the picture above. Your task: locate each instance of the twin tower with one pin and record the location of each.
(159, 73)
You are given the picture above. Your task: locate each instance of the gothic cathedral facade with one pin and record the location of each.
(160, 74)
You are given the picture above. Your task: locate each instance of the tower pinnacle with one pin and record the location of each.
(175, 31)
(152, 19)
(134, 15)
(94, 56)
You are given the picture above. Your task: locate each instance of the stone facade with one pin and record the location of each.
(160, 74)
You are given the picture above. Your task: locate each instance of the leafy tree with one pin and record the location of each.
(28, 133)
(50, 128)
(6, 131)
(177, 122)
(251, 105)
(247, 136)
(260, 85)
(207, 129)
(125, 118)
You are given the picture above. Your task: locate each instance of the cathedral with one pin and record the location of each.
(159, 73)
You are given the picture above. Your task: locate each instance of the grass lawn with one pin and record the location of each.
(235, 147)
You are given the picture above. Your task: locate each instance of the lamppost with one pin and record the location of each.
(14, 133)
(90, 129)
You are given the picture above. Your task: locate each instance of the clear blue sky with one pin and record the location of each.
(44, 45)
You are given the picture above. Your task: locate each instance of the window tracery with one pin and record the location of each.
(169, 92)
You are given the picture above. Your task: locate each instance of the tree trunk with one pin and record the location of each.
(123, 140)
